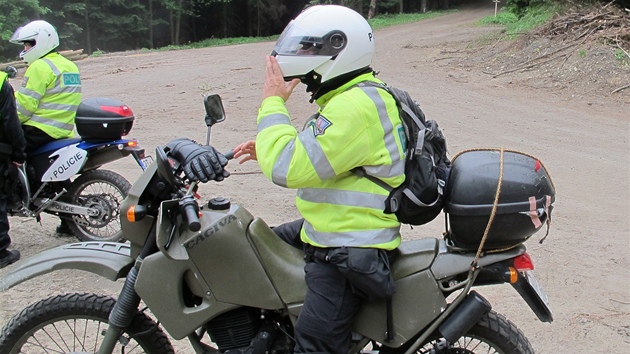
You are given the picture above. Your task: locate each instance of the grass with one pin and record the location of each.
(622, 56)
(388, 20)
(217, 42)
(534, 17)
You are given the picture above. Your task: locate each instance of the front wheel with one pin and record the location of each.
(74, 323)
(492, 334)
(102, 191)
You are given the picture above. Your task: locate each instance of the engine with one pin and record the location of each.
(252, 331)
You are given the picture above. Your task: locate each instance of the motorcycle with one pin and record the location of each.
(64, 177)
(220, 277)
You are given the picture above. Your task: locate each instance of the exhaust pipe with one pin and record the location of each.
(464, 317)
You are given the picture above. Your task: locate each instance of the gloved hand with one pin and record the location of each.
(200, 163)
(11, 71)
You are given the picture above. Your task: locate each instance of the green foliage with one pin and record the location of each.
(217, 42)
(388, 6)
(622, 56)
(14, 14)
(502, 18)
(582, 53)
(536, 14)
(387, 20)
(520, 7)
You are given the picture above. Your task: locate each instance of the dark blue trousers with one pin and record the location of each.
(328, 312)
(5, 240)
(329, 307)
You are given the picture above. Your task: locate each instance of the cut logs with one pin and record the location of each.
(73, 55)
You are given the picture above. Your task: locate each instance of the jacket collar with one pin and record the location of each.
(323, 100)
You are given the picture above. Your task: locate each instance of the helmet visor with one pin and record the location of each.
(15, 38)
(295, 41)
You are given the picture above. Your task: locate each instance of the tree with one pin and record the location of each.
(14, 14)
(372, 9)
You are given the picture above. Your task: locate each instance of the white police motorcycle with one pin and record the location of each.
(64, 177)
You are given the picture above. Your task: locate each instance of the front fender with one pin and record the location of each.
(110, 260)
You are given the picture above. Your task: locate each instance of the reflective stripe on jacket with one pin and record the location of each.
(354, 127)
(50, 95)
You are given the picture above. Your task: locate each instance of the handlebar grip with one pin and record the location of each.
(189, 206)
(193, 218)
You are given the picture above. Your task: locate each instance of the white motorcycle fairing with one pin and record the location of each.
(70, 160)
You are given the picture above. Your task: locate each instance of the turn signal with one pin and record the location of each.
(523, 263)
(513, 275)
(136, 213)
(132, 143)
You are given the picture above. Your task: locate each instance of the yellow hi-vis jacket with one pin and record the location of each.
(356, 127)
(50, 95)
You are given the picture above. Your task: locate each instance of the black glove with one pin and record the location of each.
(200, 163)
(11, 71)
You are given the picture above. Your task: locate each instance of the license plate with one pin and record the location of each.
(533, 282)
(146, 161)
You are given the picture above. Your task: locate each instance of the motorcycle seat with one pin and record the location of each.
(55, 145)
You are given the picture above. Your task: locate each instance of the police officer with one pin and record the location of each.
(329, 48)
(50, 93)
(12, 146)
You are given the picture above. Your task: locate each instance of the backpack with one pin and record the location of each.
(420, 198)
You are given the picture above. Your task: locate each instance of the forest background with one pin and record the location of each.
(121, 25)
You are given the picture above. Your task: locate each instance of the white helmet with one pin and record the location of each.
(42, 33)
(330, 40)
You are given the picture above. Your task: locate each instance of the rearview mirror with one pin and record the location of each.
(214, 109)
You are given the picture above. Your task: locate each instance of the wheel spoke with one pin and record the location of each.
(107, 199)
(56, 341)
(38, 344)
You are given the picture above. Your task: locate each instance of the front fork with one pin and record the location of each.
(122, 314)
(128, 301)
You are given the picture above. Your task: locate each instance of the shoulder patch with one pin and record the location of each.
(71, 79)
(321, 124)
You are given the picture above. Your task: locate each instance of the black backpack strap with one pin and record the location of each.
(360, 171)
(392, 202)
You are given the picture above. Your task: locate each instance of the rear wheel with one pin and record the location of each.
(74, 323)
(492, 334)
(102, 191)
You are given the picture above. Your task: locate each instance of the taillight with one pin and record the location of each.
(523, 263)
(122, 111)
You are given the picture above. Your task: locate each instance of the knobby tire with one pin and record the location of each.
(38, 327)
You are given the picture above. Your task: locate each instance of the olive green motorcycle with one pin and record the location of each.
(218, 276)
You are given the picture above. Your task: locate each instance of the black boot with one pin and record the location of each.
(63, 228)
(8, 257)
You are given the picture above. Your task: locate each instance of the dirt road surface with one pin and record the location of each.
(583, 265)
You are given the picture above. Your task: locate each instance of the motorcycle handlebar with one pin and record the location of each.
(190, 210)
